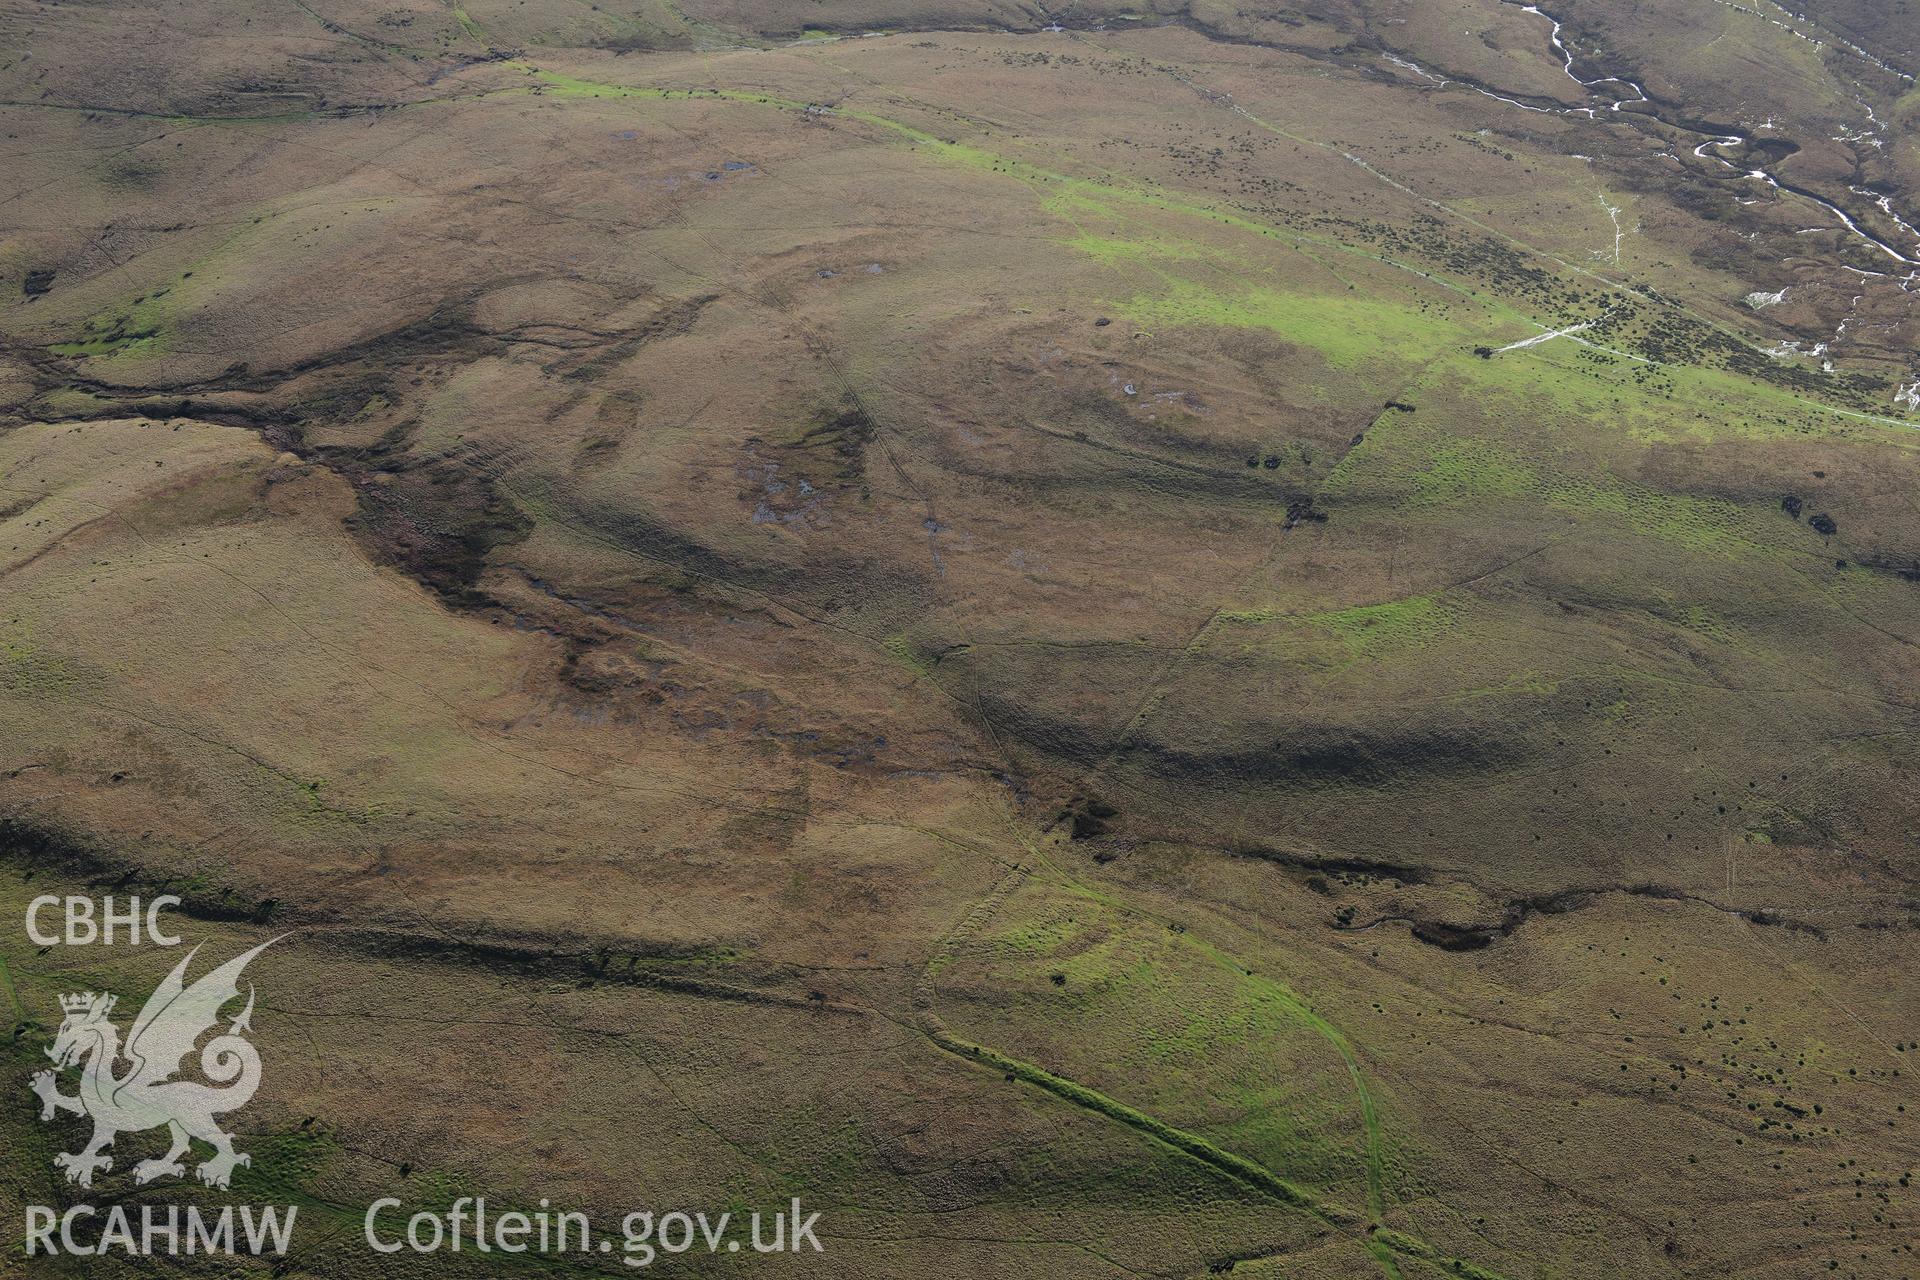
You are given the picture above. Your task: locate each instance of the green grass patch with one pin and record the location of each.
(138, 327)
(1348, 330)
(561, 85)
(901, 648)
(1372, 629)
(1462, 469)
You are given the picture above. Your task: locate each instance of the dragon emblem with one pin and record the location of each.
(130, 1088)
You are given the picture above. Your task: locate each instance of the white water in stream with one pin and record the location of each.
(1709, 150)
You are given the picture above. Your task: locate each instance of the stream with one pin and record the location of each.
(1717, 138)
